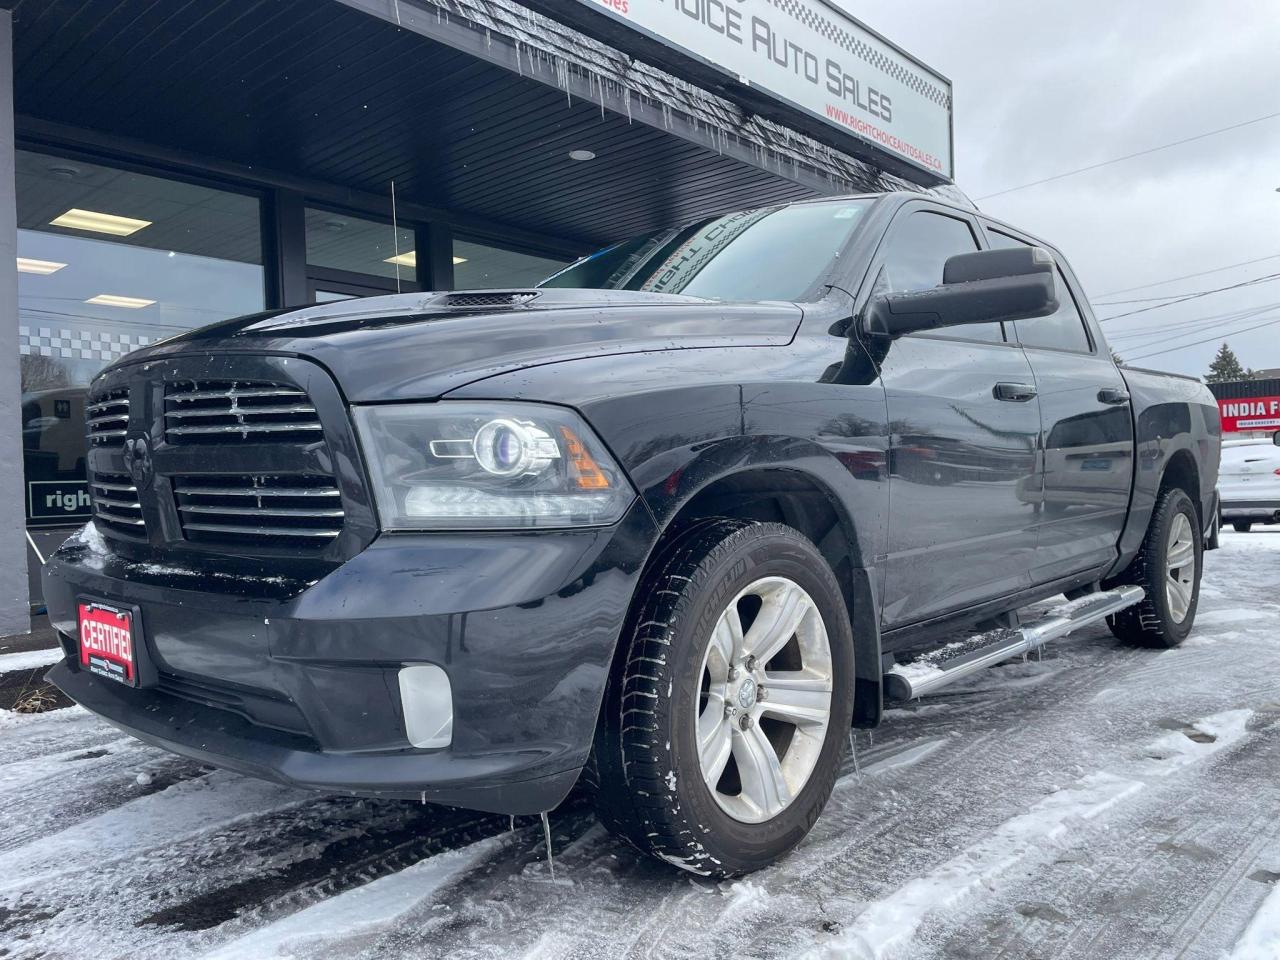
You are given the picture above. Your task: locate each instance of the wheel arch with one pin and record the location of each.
(793, 493)
(1182, 473)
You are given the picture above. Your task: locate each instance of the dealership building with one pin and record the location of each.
(170, 163)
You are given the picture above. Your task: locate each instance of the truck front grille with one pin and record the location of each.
(248, 509)
(116, 505)
(107, 417)
(222, 411)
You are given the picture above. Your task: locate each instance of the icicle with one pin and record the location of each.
(853, 750)
(546, 834)
(513, 823)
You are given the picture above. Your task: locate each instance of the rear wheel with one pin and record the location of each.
(1241, 526)
(725, 724)
(1168, 567)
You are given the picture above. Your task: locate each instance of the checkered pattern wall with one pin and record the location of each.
(864, 51)
(78, 344)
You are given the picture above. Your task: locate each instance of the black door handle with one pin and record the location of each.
(1014, 392)
(1113, 395)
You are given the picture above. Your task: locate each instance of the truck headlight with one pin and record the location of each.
(462, 465)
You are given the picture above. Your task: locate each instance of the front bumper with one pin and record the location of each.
(296, 681)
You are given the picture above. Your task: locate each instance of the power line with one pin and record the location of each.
(1159, 330)
(1223, 330)
(1130, 156)
(1122, 303)
(1194, 296)
(1188, 276)
(1195, 343)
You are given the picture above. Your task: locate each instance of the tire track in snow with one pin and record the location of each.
(889, 924)
(1177, 874)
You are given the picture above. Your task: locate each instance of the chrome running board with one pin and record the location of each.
(936, 669)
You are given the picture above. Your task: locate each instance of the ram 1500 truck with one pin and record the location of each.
(669, 523)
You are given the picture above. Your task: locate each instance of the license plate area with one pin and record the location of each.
(108, 641)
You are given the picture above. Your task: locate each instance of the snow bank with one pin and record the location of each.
(30, 660)
(1261, 939)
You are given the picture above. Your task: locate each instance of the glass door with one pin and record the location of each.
(350, 256)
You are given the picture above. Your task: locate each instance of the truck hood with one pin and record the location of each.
(420, 346)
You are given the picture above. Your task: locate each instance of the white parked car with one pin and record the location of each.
(1249, 482)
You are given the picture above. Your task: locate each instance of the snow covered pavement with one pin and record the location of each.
(1104, 802)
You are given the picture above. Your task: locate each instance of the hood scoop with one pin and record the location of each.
(486, 299)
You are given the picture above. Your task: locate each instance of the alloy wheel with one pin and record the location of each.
(765, 701)
(1180, 567)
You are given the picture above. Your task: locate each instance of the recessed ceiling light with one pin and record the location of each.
(581, 155)
(409, 259)
(41, 267)
(77, 219)
(458, 260)
(63, 171)
(112, 300)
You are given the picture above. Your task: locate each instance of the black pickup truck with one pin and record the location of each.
(668, 524)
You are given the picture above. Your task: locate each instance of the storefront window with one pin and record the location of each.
(340, 244)
(479, 266)
(109, 261)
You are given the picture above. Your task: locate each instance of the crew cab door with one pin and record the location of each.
(1086, 432)
(963, 424)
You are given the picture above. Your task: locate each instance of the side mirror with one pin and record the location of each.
(988, 286)
(1275, 438)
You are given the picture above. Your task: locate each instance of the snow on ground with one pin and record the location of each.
(1103, 802)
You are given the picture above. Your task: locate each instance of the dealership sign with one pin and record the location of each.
(1250, 413)
(816, 59)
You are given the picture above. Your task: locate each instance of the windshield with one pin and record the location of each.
(776, 253)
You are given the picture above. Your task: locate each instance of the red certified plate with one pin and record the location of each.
(106, 642)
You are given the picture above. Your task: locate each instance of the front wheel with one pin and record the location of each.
(727, 718)
(1168, 567)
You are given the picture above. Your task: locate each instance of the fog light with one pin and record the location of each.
(427, 701)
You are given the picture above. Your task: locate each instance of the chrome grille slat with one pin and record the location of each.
(101, 405)
(263, 511)
(110, 517)
(117, 487)
(256, 411)
(113, 502)
(257, 491)
(261, 531)
(233, 428)
(235, 393)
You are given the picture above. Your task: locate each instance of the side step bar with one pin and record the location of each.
(934, 670)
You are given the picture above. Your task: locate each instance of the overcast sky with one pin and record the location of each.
(1042, 88)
